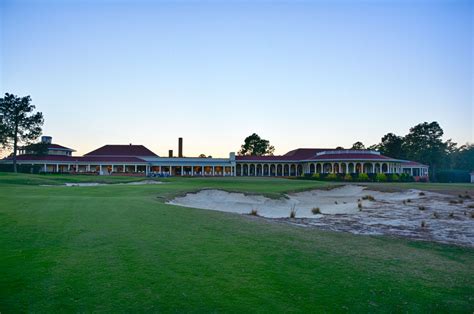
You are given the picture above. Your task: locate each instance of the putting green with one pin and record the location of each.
(119, 248)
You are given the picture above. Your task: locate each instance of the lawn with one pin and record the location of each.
(120, 248)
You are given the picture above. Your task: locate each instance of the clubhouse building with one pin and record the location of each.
(139, 160)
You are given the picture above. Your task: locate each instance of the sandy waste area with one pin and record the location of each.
(412, 213)
(144, 182)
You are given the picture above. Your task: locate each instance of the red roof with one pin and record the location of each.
(71, 159)
(262, 158)
(350, 156)
(122, 150)
(303, 154)
(57, 146)
(413, 164)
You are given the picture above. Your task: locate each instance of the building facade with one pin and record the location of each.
(139, 160)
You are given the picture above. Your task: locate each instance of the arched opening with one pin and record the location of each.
(343, 168)
(258, 170)
(292, 170)
(251, 170)
(377, 168)
(368, 168)
(300, 170)
(327, 168)
(336, 168)
(351, 168)
(272, 170)
(286, 170)
(319, 168)
(358, 168)
(312, 168)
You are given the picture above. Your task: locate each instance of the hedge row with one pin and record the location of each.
(453, 176)
(359, 177)
(21, 168)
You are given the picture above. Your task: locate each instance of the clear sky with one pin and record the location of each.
(299, 73)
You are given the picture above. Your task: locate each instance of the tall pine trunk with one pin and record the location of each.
(15, 146)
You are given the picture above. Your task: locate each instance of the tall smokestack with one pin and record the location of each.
(180, 147)
(170, 153)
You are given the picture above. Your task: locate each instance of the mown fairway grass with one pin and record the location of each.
(119, 248)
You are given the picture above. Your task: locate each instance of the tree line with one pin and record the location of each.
(424, 144)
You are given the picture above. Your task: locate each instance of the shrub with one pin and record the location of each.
(316, 176)
(369, 198)
(254, 212)
(332, 177)
(316, 211)
(347, 177)
(394, 177)
(380, 177)
(404, 177)
(293, 212)
(363, 177)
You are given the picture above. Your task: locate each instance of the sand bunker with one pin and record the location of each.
(102, 184)
(400, 213)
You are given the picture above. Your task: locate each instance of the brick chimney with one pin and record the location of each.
(180, 147)
(170, 153)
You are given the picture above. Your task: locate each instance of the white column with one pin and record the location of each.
(192, 171)
(89, 168)
(136, 168)
(182, 170)
(123, 169)
(213, 171)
